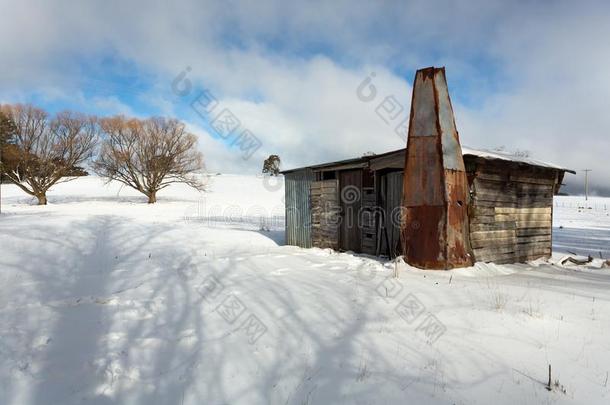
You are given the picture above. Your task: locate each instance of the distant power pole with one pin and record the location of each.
(587, 183)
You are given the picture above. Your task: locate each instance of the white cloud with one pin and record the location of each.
(536, 72)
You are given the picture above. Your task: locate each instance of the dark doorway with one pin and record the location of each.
(350, 194)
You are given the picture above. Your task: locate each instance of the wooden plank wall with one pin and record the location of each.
(350, 185)
(368, 221)
(325, 213)
(511, 212)
(391, 202)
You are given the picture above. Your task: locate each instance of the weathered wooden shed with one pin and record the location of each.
(356, 205)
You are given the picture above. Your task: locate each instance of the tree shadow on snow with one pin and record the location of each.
(104, 316)
(113, 311)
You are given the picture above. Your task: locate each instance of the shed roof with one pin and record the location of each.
(493, 155)
(480, 153)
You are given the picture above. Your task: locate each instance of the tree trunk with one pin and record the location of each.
(152, 197)
(42, 199)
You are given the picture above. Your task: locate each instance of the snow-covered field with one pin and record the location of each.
(195, 300)
(582, 227)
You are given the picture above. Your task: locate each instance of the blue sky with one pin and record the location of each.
(523, 75)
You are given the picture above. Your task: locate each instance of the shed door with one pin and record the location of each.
(391, 203)
(325, 214)
(350, 184)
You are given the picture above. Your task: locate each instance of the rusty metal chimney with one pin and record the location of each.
(435, 232)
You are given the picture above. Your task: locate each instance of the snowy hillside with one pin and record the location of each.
(194, 300)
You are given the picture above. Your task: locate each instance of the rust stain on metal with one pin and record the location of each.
(436, 194)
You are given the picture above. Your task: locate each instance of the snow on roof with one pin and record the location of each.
(495, 155)
(481, 153)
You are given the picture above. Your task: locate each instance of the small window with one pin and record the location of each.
(329, 176)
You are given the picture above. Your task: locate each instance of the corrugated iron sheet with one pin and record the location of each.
(435, 224)
(298, 211)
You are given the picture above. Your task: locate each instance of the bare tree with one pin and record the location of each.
(148, 155)
(7, 128)
(7, 132)
(521, 153)
(516, 152)
(44, 151)
(271, 165)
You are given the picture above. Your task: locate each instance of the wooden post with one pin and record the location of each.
(587, 183)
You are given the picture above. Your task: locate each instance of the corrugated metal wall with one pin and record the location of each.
(298, 212)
